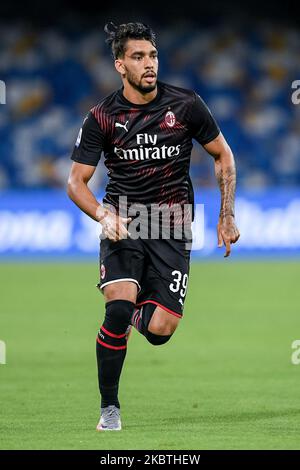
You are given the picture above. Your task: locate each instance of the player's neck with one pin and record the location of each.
(136, 97)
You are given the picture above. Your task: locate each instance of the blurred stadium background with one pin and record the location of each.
(56, 66)
(55, 72)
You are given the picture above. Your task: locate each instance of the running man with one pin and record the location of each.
(145, 131)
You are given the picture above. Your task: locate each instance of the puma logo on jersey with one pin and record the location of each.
(118, 124)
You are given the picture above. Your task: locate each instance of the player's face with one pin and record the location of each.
(139, 65)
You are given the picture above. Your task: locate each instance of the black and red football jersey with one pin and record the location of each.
(147, 148)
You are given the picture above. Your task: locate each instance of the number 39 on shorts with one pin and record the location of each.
(179, 283)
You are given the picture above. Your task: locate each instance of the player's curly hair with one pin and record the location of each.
(118, 36)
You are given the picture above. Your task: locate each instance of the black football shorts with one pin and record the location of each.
(160, 269)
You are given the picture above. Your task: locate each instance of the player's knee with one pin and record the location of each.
(163, 326)
(157, 325)
(120, 290)
(157, 340)
(117, 315)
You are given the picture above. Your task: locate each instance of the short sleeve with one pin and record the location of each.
(203, 125)
(89, 143)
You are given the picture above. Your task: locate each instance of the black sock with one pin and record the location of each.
(110, 363)
(111, 349)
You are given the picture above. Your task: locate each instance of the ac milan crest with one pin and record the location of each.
(170, 119)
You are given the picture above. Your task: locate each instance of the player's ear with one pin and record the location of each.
(119, 66)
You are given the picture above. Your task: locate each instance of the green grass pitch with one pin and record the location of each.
(224, 381)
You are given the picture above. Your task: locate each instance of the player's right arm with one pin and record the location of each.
(86, 155)
(80, 193)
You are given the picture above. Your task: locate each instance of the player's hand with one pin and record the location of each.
(114, 226)
(227, 233)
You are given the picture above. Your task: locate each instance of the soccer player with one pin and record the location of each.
(145, 131)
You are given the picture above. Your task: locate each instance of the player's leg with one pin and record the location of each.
(155, 323)
(119, 272)
(111, 348)
(162, 322)
(164, 285)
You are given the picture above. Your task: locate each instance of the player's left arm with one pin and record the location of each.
(226, 176)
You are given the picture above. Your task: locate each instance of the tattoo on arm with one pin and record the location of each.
(226, 178)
